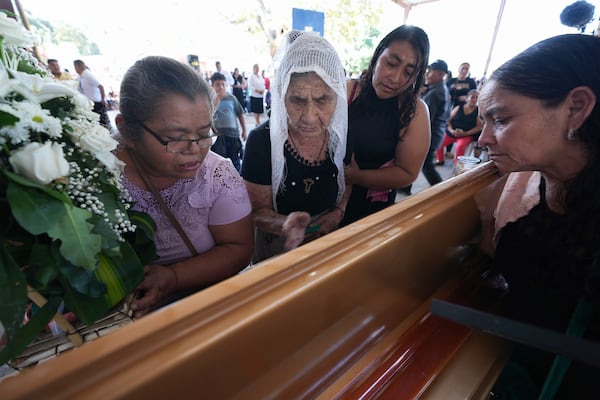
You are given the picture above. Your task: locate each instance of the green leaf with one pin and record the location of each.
(82, 280)
(29, 331)
(13, 293)
(58, 106)
(79, 244)
(87, 309)
(43, 266)
(142, 239)
(144, 222)
(38, 213)
(19, 243)
(7, 119)
(110, 238)
(121, 274)
(27, 182)
(107, 273)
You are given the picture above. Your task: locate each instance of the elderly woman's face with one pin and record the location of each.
(310, 104)
(395, 70)
(175, 118)
(521, 134)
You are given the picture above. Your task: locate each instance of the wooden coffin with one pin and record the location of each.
(343, 317)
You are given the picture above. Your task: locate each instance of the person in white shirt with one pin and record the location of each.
(256, 85)
(92, 89)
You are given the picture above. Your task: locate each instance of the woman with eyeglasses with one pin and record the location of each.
(196, 197)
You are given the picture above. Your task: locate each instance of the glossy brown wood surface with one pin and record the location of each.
(323, 321)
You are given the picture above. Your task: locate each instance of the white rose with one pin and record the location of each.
(41, 163)
(15, 33)
(97, 139)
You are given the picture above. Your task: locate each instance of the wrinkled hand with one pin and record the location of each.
(351, 172)
(293, 228)
(328, 222)
(158, 282)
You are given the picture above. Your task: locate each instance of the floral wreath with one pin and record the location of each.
(67, 230)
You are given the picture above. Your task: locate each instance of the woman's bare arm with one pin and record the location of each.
(410, 154)
(234, 244)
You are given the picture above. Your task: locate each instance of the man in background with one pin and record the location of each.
(58, 74)
(89, 86)
(438, 101)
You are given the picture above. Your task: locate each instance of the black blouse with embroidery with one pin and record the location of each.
(310, 188)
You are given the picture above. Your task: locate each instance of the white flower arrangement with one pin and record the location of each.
(66, 227)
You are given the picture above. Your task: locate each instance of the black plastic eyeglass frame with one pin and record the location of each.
(166, 142)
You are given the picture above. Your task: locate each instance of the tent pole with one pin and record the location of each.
(25, 20)
(498, 20)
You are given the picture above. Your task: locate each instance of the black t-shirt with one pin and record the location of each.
(306, 188)
(373, 131)
(459, 88)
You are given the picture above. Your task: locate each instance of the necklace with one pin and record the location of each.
(291, 146)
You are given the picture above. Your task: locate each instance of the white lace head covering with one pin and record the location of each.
(303, 52)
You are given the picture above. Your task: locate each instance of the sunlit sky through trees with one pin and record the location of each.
(126, 30)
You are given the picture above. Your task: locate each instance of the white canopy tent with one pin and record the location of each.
(408, 5)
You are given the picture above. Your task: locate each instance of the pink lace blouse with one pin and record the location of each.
(217, 195)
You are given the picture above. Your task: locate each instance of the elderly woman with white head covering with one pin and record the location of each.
(294, 163)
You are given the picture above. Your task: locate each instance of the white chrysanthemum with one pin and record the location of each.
(78, 128)
(37, 119)
(10, 87)
(83, 110)
(15, 33)
(15, 134)
(3, 72)
(8, 109)
(90, 116)
(79, 125)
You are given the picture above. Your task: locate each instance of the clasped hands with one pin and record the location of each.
(297, 227)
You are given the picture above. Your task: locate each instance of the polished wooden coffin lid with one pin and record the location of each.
(345, 316)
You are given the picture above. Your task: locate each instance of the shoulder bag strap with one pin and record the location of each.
(162, 203)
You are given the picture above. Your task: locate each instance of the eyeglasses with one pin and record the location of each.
(181, 145)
